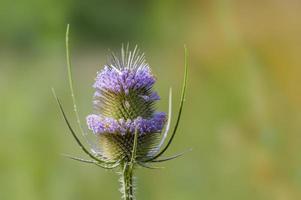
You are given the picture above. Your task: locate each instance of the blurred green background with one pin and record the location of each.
(242, 115)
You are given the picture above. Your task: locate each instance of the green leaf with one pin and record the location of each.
(73, 133)
(184, 86)
(171, 157)
(102, 165)
(70, 79)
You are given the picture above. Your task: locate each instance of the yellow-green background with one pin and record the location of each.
(242, 115)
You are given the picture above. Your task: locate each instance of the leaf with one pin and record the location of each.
(171, 157)
(70, 79)
(72, 131)
(145, 165)
(105, 166)
(184, 86)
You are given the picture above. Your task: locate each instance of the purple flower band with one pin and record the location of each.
(100, 124)
(122, 80)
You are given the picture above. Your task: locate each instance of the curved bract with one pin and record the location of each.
(179, 112)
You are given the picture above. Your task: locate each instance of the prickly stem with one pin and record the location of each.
(127, 183)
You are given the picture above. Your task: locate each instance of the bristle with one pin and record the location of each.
(117, 146)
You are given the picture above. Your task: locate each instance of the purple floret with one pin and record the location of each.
(153, 97)
(122, 80)
(153, 125)
(100, 125)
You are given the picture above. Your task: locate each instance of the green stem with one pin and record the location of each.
(127, 182)
(127, 172)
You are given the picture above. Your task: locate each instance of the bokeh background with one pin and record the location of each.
(242, 115)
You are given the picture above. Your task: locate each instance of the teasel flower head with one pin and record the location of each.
(129, 130)
(124, 103)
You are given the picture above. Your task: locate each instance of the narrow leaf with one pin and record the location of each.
(105, 166)
(142, 164)
(72, 131)
(75, 108)
(171, 157)
(180, 108)
(168, 121)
